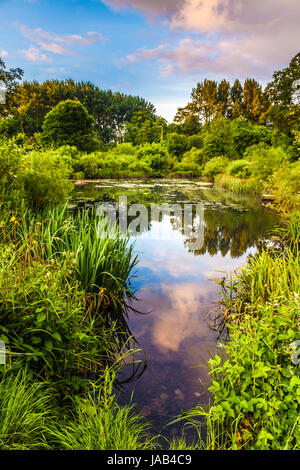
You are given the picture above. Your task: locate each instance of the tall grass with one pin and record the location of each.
(25, 408)
(238, 185)
(99, 423)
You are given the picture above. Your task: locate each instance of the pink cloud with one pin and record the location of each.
(236, 37)
(35, 55)
(58, 44)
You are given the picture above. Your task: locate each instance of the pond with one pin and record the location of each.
(177, 288)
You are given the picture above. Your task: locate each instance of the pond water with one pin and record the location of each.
(175, 287)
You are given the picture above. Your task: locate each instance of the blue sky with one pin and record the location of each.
(158, 49)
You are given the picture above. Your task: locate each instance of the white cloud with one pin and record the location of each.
(3, 53)
(58, 44)
(35, 55)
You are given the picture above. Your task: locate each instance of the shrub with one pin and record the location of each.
(285, 185)
(239, 168)
(215, 166)
(245, 134)
(195, 141)
(177, 144)
(194, 155)
(10, 182)
(45, 179)
(265, 160)
(89, 165)
(125, 148)
(155, 155)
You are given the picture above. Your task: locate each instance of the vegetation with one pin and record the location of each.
(65, 292)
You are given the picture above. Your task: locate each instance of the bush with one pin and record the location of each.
(45, 179)
(285, 185)
(155, 155)
(195, 141)
(245, 134)
(89, 165)
(126, 148)
(177, 144)
(265, 160)
(10, 182)
(215, 166)
(194, 155)
(69, 123)
(239, 168)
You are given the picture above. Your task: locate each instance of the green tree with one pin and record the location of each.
(218, 139)
(177, 145)
(32, 101)
(9, 79)
(283, 94)
(253, 104)
(69, 123)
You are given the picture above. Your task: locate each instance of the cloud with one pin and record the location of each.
(35, 55)
(3, 53)
(233, 38)
(58, 44)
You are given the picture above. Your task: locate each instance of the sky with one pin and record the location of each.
(157, 49)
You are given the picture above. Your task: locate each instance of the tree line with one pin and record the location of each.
(118, 117)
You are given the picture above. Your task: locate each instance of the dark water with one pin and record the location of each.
(175, 287)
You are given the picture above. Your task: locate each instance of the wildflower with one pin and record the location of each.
(65, 222)
(2, 223)
(38, 224)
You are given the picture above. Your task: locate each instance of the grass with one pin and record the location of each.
(25, 410)
(238, 185)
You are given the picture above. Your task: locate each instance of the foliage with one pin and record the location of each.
(31, 101)
(45, 179)
(245, 134)
(177, 144)
(218, 140)
(70, 124)
(285, 185)
(145, 128)
(265, 160)
(215, 166)
(25, 407)
(211, 100)
(239, 168)
(98, 423)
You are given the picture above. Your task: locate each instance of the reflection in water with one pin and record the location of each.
(174, 287)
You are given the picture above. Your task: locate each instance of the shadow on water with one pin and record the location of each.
(181, 326)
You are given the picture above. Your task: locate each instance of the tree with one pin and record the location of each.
(218, 139)
(283, 96)
(10, 79)
(32, 101)
(253, 106)
(236, 94)
(69, 123)
(203, 105)
(145, 128)
(177, 145)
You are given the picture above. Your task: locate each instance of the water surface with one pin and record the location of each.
(174, 285)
